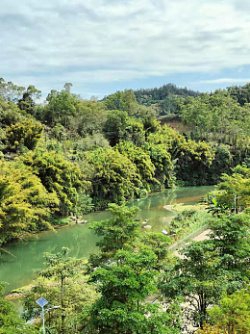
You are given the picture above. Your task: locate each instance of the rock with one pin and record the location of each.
(147, 227)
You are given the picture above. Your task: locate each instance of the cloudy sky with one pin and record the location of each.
(102, 46)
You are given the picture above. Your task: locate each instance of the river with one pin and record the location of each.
(20, 270)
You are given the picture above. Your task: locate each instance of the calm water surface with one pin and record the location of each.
(81, 240)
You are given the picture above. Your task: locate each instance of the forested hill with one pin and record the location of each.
(163, 98)
(71, 155)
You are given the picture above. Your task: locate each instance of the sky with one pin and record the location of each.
(101, 46)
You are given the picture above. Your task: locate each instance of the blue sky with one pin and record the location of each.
(102, 46)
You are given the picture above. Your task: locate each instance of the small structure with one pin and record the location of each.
(164, 232)
(42, 302)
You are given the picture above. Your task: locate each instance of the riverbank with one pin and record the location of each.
(21, 270)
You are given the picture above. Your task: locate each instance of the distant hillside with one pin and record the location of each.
(163, 98)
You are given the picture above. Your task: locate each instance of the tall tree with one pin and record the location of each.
(115, 126)
(198, 278)
(232, 314)
(58, 176)
(115, 175)
(26, 205)
(122, 307)
(61, 107)
(27, 102)
(117, 233)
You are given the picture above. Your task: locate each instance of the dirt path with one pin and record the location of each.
(203, 236)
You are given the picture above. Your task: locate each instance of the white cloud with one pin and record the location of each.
(54, 41)
(225, 81)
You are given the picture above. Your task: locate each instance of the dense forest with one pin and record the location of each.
(69, 156)
(163, 99)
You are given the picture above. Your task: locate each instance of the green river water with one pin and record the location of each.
(21, 269)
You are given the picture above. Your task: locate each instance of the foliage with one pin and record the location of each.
(235, 189)
(89, 118)
(161, 159)
(27, 102)
(197, 277)
(10, 114)
(67, 289)
(123, 101)
(115, 127)
(194, 162)
(135, 132)
(144, 166)
(26, 133)
(115, 175)
(217, 115)
(186, 222)
(230, 236)
(25, 203)
(124, 286)
(10, 323)
(240, 93)
(117, 233)
(61, 107)
(170, 138)
(158, 243)
(9, 92)
(163, 98)
(58, 176)
(209, 329)
(232, 314)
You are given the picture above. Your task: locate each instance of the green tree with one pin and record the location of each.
(10, 114)
(232, 314)
(161, 159)
(90, 118)
(10, 323)
(240, 93)
(117, 233)
(27, 102)
(26, 133)
(115, 127)
(115, 175)
(123, 101)
(25, 203)
(144, 165)
(122, 307)
(61, 107)
(198, 278)
(194, 162)
(9, 91)
(135, 132)
(235, 189)
(67, 287)
(230, 236)
(158, 243)
(58, 176)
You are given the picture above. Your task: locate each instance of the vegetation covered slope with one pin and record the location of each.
(70, 155)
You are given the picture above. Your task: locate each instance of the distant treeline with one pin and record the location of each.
(163, 98)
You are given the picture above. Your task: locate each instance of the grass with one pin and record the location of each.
(188, 221)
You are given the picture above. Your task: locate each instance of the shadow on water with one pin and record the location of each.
(22, 268)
